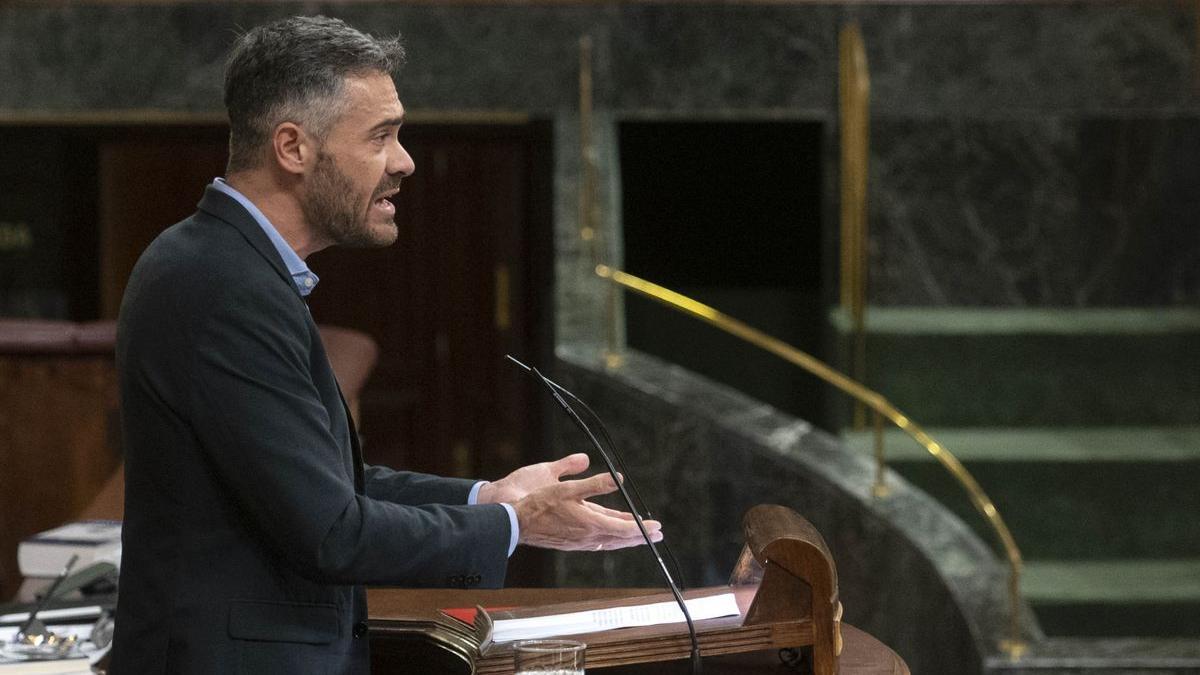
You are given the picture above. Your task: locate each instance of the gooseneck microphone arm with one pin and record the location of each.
(553, 388)
(616, 456)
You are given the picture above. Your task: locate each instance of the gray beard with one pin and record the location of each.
(331, 208)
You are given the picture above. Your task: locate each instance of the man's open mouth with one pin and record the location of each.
(384, 200)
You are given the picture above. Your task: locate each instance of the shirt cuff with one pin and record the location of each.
(473, 496)
(515, 528)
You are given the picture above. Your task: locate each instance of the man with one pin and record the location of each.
(251, 522)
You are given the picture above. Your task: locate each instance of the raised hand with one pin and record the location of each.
(513, 487)
(559, 516)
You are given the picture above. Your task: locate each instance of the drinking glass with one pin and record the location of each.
(549, 657)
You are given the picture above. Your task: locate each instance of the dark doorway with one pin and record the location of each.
(728, 213)
(90, 199)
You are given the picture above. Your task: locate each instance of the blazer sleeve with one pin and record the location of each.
(415, 489)
(266, 433)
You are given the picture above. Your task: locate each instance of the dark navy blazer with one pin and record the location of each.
(251, 523)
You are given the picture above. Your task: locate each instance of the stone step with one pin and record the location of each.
(1133, 597)
(1068, 493)
(1042, 444)
(1027, 367)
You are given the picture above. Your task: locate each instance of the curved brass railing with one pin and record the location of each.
(881, 408)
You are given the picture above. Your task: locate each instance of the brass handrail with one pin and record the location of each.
(881, 407)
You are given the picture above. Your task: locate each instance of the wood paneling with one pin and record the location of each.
(146, 185)
(58, 431)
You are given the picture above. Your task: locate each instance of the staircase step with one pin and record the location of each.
(1042, 444)
(1129, 581)
(1026, 367)
(1134, 597)
(1068, 493)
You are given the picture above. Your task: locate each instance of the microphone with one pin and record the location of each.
(554, 389)
(612, 450)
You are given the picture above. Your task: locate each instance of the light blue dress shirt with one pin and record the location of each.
(303, 277)
(305, 282)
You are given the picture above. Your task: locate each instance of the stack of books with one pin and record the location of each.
(45, 554)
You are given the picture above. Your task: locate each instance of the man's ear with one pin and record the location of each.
(293, 149)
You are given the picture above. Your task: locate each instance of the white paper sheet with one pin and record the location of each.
(88, 612)
(574, 623)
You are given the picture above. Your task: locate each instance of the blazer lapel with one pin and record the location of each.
(223, 207)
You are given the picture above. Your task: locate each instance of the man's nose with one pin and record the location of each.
(401, 162)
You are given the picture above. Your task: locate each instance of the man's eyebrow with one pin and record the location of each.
(390, 122)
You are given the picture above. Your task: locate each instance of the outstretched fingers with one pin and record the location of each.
(570, 465)
(616, 524)
(614, 543)
(594, 486)
(624, 520)
(605, 511)
(561, 516)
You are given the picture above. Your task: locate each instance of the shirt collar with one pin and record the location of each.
(303, 277)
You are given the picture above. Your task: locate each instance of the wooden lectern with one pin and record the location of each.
(785, 584)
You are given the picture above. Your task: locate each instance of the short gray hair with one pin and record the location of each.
(292, 70)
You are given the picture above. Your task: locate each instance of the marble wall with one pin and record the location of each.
(1034, 155)
(1023, 154)
(1039, 212)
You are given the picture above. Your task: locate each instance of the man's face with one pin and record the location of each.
(359, 167)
